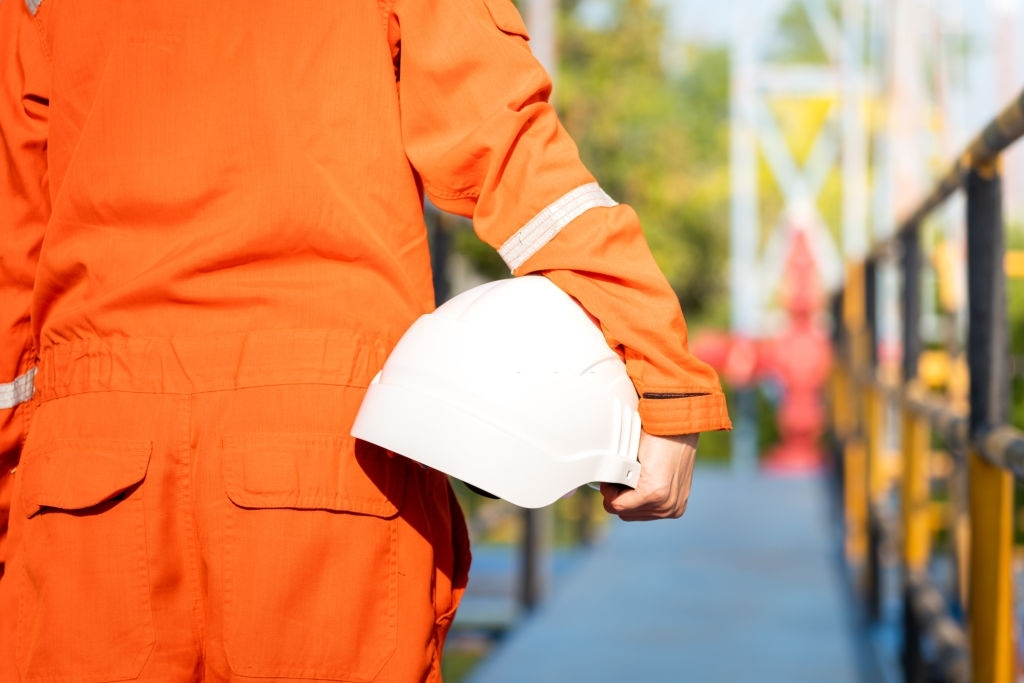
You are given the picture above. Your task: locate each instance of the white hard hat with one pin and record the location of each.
(512, 388)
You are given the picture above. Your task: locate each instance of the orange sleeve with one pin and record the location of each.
(24, 206)
(486, 142)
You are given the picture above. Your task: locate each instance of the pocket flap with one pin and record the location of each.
(311, 471)
(74, 474)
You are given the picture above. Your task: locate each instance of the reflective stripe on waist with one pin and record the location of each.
(17, 392)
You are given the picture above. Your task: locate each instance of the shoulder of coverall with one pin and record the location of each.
(503, 12)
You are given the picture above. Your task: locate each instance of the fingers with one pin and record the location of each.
(665, 479)
(632, 508)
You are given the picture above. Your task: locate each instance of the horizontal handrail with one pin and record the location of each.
(1001, 132)
(1004, 447)
(946, 420)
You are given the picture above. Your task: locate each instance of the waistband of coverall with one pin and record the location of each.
(188, 365)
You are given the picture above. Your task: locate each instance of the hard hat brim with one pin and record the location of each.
(411, 422)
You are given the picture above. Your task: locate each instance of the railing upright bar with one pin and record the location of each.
(915, 438)
(990, 599)
(839, 406)
(874, 429)
(987, 339)
(910, 265)
(871, 311)
(855, 473)
(531, 555)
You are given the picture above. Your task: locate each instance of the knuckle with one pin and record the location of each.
(661, 494)
(609, 507)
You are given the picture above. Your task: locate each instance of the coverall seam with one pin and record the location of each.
(187, 477)
(192, 393)
(451, 194)
(43, 34)
(387, 8)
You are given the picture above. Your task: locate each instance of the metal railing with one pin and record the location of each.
(892, 433)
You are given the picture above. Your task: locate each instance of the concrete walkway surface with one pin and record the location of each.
(747, 586)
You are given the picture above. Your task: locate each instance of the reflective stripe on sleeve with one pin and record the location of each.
(18, 391)
(530, 238)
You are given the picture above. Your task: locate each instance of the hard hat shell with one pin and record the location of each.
(512, 388)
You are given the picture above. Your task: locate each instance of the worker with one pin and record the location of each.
(217, 238)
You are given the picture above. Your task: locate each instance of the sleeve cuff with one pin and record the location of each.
(684, 415)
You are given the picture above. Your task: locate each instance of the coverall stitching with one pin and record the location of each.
(246, 385)
(50, 393)
(393, 596)
(386, 8)
(144, 569)
(451, 194)
(44, 36)
(188, 484)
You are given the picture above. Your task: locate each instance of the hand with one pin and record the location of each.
(664, 485)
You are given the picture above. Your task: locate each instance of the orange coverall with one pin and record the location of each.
(212, 235)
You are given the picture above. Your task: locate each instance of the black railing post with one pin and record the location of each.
(987, 338)
(839, 432)
(871, 310)
(914, 669)
(875, 535)
(532, 551)
(914, 666)
(910, 261)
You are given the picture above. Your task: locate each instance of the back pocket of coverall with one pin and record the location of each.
(85, 611)
(310, 556)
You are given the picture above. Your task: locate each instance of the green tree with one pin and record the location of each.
(655, 137)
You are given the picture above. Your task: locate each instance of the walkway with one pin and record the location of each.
(748, 586)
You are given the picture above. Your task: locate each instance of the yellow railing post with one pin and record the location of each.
(855, 475)
(991, 588)
(916, 490)
(874, 419)
(855, 470)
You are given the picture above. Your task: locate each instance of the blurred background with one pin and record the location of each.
(809, 174)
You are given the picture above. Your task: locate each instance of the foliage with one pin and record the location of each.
(655, 137)
(1015, 311)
